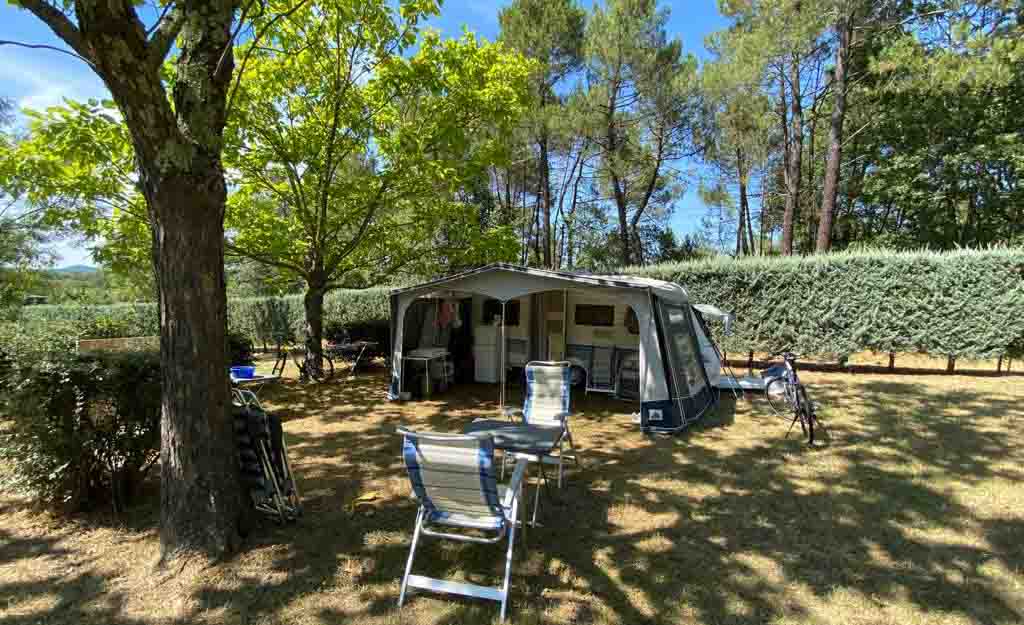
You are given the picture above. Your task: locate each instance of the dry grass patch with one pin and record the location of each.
(909, 514)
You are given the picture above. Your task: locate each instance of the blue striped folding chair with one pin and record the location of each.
(453, 479)
(548, 385)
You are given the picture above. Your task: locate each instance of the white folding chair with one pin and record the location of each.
(548, 386)
(601, 378)
(453, 479)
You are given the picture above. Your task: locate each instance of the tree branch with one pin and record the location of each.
(260, 258)
(39, 46)
(165, 35)
(61, 26)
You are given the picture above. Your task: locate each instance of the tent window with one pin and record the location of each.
(631, 322)
(595, 315)
(687, 365)
(492, 310)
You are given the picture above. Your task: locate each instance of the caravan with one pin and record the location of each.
(633, 337)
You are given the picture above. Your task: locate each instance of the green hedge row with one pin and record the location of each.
(263, 320)
(963, 303)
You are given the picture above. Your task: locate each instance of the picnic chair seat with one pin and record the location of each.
(453, 478)
(548, 387)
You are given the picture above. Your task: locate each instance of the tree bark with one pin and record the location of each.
(612, 148)
(313, 302)
(177, 151)
(835, 138)
(744, 212)
(794, 157)
(200, 493)
(544, 198)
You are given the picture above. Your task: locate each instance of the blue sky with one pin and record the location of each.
(41, 78)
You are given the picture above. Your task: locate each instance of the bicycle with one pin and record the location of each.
(301, 357)
(788, 396)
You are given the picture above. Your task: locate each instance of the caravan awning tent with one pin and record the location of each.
(678, 365)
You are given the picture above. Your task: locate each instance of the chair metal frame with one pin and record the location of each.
(431, 514)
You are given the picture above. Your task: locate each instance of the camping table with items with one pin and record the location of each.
(357, 347)
(253, 384)
(521, 440)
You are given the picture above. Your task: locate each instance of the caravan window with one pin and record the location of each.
(595, 315)
(492, 309)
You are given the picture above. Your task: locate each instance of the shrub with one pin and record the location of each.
(78, 431)
(239, 349)
(963, 303)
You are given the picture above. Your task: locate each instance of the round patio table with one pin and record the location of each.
(517, 437)
(522, 440)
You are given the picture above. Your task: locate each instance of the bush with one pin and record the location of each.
(963, 303)
(99, 322)
(78, 431)
(239, 349)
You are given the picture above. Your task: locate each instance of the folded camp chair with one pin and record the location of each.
(601, 377)
(263, 458)
(547, 405)
(453, 479)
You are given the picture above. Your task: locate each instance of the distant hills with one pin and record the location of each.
(75, 269)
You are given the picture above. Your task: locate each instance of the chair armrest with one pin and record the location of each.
(517, 479)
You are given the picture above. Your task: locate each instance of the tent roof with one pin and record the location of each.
(504, 282)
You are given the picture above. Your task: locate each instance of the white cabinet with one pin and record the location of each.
(485, 354)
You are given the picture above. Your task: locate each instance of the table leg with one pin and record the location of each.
(355, 365)
(536, 494)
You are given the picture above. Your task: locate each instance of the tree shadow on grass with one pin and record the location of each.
(727, 522)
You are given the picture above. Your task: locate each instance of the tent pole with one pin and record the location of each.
(565, 324)
(501, 373)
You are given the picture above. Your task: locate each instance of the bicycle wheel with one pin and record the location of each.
(778, 398)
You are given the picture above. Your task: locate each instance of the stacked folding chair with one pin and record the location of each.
(263, 457)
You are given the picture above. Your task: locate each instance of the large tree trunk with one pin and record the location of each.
(744, 212)
(544, 198)
(835, 138)
(744, 220)
(619, 194)
(201, 494)
(314, 306)
(177, 149)
(794, 157)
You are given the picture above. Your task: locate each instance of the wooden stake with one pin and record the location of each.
(951, 364)
(892, 361)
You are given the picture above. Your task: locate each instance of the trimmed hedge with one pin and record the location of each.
(962, 303)
(263, 320)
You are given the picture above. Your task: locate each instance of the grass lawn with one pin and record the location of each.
(912, 513)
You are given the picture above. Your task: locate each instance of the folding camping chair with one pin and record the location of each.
(601, 377)
(548, 386)
(263, 457)
(453, 479)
